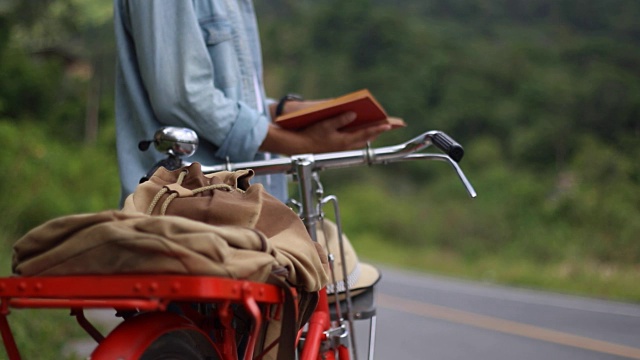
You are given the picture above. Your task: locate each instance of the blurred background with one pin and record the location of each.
(543, 94)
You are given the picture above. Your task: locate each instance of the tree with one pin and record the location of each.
(56, 51)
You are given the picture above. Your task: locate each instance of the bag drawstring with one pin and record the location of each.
(175, 193)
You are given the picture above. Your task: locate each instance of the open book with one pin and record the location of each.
(368, 110)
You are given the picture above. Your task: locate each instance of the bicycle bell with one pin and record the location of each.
(176, 141)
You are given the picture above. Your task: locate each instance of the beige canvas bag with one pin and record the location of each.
(230, 228)
(185, 222)
(113, 242)
(228, 199)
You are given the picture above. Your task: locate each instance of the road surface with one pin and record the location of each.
(429, 317)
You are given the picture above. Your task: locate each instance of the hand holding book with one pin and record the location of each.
(367, 109)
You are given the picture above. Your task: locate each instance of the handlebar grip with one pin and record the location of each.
(449, 146)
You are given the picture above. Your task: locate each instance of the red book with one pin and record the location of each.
(368, 110)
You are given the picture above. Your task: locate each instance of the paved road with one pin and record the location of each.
(427, 317)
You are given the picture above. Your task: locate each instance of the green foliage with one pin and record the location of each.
(47, 178)
(44, 334)
(26, 87)
(535, 89)
(544, 94)
(57, 62)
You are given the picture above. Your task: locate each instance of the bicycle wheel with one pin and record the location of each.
(180, 345)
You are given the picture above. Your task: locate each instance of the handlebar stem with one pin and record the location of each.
(309, 210)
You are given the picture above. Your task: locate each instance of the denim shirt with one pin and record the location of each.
(195, 64)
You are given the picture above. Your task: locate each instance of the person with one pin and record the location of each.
(198, 64)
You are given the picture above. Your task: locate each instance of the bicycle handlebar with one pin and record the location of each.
(368, 156)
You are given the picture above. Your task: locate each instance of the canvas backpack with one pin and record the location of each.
(186, 222)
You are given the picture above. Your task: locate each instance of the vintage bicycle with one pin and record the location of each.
(207, 329)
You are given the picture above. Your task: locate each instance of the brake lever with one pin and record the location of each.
(463, 178)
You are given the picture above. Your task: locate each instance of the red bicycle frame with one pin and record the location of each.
(153, 294)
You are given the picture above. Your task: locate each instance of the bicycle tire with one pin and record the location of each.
(180, 345)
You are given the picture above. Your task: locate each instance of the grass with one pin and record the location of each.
(569, 276)
(514, 233)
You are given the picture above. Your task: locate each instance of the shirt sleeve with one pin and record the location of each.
(178, 75)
